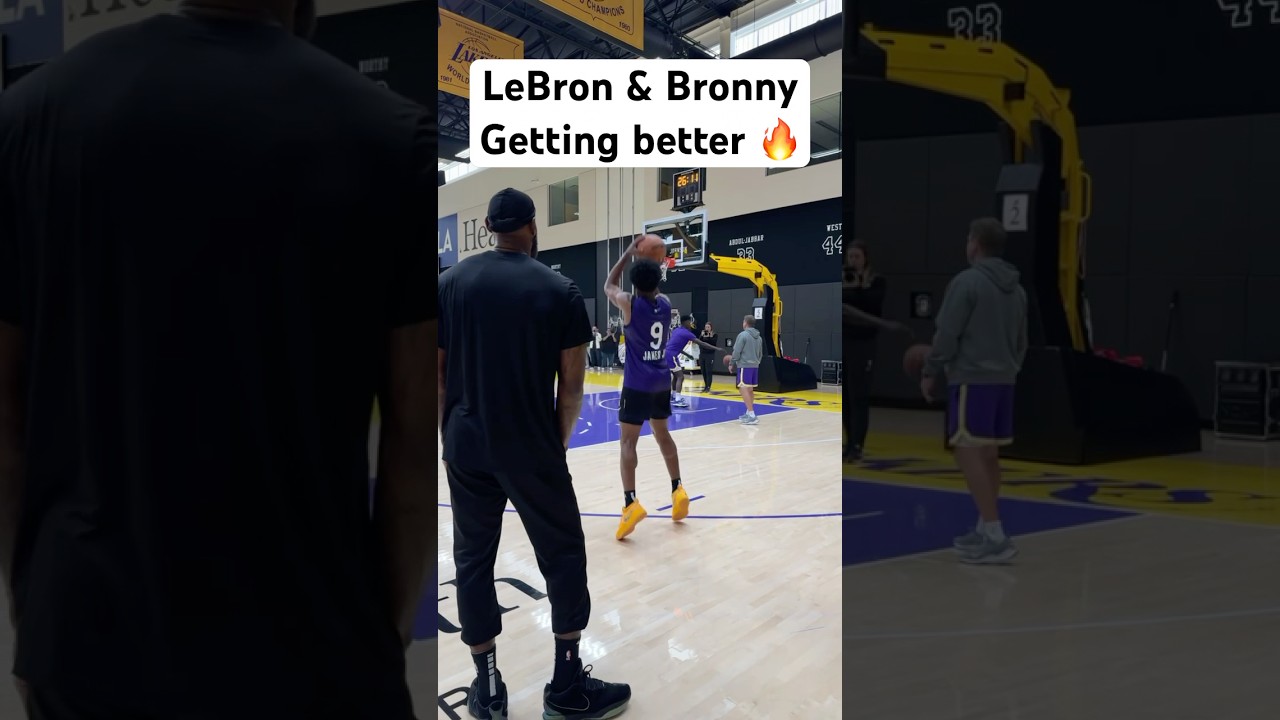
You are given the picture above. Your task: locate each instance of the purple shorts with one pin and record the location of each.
(980, 415)
(748, 376)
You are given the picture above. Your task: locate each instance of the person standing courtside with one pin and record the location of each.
(506, 428)
(609, 347)
(744, 362)
(593, 354)
(708, 357)
(862, 294)
(680, 338)
(980, 343)
(212, 256)
(646, 381)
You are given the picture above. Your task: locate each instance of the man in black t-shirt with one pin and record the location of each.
(517, 326)
(213, 255)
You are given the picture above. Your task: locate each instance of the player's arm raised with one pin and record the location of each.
(613, 284)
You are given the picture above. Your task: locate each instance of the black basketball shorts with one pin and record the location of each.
(635, 406)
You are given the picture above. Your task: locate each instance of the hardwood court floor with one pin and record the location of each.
(1145, 590)
(734, 613)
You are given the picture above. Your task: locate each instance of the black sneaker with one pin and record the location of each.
(586, 698)
(481, 705)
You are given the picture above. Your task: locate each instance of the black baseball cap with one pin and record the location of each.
(510, 210)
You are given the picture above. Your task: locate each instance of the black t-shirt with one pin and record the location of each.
(869, 300)
(713, 339)
(207, 232)
(505, 318)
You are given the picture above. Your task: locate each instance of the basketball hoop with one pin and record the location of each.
(667, 264)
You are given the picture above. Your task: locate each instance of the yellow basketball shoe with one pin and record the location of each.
(679, 504)
(631, 517)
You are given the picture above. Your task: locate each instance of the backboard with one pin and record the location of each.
(685, 236)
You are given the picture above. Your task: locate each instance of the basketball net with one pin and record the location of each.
(667, 264)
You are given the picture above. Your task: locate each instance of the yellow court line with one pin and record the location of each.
(1179, 486)
(723, 387)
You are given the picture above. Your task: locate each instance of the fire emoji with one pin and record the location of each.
(779, 144)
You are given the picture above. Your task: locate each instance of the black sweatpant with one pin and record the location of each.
(708, 369)
(859, 356)
(548, 508)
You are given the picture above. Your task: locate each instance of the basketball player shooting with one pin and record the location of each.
(646, 379)
(981, 340)
(680, 338)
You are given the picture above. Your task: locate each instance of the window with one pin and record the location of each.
(563, 197)
(665, 181)
(782, 23)
(453, 169)
(827, 141)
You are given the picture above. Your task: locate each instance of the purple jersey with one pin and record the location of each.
(646, 368)
(680, 337)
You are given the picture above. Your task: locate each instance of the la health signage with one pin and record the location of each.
(32, 30)
(640, 113)
(447, 240)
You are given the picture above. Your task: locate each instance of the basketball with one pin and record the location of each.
(913, 360)
(651, 247)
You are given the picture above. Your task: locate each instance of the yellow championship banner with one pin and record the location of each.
(619, 19)
(463, 41)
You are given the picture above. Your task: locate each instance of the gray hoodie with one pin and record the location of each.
(982, 326)
(748, 349)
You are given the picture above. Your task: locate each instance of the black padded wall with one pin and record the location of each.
(1184, 206)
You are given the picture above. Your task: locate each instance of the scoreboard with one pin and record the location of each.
(687, 187)
(1124, 61)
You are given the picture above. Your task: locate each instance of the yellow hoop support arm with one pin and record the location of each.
(1021, 94)
(760, 278)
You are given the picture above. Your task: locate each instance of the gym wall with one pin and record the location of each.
(1195, 221)
(384, 42)
(796, 243)
(1124, 62)
(1182, 193)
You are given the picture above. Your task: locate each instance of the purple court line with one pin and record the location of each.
(704, 517)
(668, 507)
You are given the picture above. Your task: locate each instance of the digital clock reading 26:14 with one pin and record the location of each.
(687, 193)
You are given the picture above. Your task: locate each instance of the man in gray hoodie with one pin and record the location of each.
(748, 349)
(980, 343)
